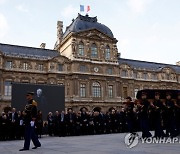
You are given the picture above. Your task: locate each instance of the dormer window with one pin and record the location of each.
(9, 64)
(25, 66)
(40, 67)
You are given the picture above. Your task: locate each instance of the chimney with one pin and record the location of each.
(43, 45)
(178, 63)
(59, 31)
(118, 55)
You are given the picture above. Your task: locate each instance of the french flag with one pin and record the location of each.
(82, 8)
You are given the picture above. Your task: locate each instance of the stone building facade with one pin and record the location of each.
(86, 60)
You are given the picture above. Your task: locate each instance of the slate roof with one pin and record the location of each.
(27, 52)
(147, 65)
(82, 23)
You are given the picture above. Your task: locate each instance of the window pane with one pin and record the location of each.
(25, 66)
(109, 71)
(125, 92)
(40, 67)
(94, 51)
(7, 88)
(124, 73)
(81, 49)
(96, 90)
(82, 90)
(82, 68)
(145, 76)
(60, 67)
(107, 52)
(110, 91)
(9, 64)
(135, 75)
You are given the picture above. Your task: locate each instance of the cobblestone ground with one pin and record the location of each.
(95, 144)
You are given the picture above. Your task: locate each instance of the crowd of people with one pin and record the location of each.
(162, 116)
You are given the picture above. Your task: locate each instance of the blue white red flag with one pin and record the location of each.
(82, 8)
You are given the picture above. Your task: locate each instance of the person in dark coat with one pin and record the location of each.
(29, 120)
(13, 123)
(56, 123)
(157, 111)
(84, 121)
(39, 123)
(178, 113)
(50, 120)
(130, 115)
(70, 122)
(144, 116)
(62, 124)
(170, 118)
(4, 124)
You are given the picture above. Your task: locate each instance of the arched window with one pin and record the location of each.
(107, 52)
(96, 89)
(81, 49)
(94, 52)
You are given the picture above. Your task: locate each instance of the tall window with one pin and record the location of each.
(154, 77)
(124, 73)
(82, 90)
(7, 88)
(9, 64)
(109, 71)
(40, 67)
(110, 91)
(125, 92)
(94, 52)
(145, 76)
(96, 89)
(25, 65)
(81, 49)
(107, 52)
(135, 75)
(60, 67)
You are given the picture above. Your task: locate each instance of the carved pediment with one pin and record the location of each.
(167, 70)
(94, 34)
(60, 59)
(124, 66)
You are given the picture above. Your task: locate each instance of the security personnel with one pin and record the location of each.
(170, 116)
(130, 115)
(144, 116)
(158, 108)
(178, 113)
(29, 120)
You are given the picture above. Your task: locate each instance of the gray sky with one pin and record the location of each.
(147, 30)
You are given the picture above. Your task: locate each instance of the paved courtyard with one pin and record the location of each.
(95, 144)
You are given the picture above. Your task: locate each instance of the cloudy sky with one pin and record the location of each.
(147, 30)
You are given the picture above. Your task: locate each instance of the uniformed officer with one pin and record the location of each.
(29, 120)
(144, 116)
(158, 108)
(170, 116)
(130, 115)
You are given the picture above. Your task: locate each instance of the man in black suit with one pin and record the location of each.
(29, 120)
(70, 122)
(13, 119)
